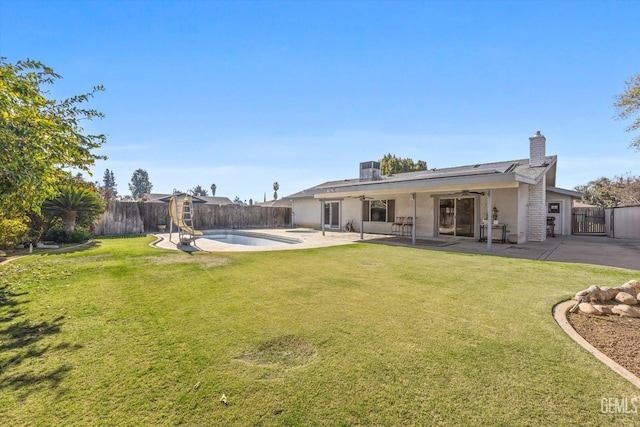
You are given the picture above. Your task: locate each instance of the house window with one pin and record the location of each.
(379, 210)
(554, 207)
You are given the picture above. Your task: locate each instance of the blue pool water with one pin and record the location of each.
(248, 239)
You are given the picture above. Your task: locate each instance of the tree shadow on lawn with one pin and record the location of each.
(66, 248)
(25, 363)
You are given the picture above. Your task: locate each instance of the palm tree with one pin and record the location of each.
(276, 187)
(213, 190)
(71, 202)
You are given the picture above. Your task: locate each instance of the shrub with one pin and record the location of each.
(58, 235)
(79, 235)
(12, 232)
(54, 234)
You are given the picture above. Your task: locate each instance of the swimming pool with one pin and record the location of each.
(249, 239)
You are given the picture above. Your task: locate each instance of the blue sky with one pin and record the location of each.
(245, 93)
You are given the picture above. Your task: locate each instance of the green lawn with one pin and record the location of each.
(123, 334)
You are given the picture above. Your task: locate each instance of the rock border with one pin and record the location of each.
(560, 312)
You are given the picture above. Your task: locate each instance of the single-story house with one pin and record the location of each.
(205, 200)
(513, 200)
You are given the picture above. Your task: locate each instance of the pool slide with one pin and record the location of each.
(173, 212)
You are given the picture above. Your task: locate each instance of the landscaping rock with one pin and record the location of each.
(622, 300)
(626, 310)
(629, 288)
(604, 308)
(609, 293)
(588, 308)
(625, 298)
(43, 246)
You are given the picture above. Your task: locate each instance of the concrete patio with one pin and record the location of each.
(599, 250)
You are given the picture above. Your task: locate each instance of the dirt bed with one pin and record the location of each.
(617, 337)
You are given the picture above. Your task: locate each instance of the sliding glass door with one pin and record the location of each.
(456, 217)
(332, 214)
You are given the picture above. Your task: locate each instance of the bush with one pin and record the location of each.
(79, 235)
(54, 234)
(12, 232)
(57, 234)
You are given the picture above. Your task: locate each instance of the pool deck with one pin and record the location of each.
(308, 238)
(599, 250)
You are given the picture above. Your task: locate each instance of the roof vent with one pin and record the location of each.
(369, 171)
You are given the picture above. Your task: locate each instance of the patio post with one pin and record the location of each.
(489, 224)
(322, 215)
(361, 217)
(413, 223)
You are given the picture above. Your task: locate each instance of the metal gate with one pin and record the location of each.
(588, 221)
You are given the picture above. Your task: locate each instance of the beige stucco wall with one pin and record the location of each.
(563, 219)
(306, 213)
(512, 204)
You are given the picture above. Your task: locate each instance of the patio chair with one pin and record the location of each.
(396, 227)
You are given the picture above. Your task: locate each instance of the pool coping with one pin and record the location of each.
(560, 311)
(305, 238)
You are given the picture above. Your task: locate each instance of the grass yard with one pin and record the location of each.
(124, 334)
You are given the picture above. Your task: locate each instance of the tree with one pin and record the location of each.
(628, 104)
(109, 185)
(390, 164)
(39, 137)
(213, 190)
(606, 193)
(140, 184)
(276, 187)
(199, 191)
(70, 203)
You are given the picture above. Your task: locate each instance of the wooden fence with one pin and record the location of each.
(588, 221)
(139, 217)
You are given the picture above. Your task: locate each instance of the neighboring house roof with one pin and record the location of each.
(481, 175)
(280, 203)
(165, 198)
(577, 204)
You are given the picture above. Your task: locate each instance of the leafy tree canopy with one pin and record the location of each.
(390, 164)
(628, 104)
(605, 192)
(140, 183)
(39, 137)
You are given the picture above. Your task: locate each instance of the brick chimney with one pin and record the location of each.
(537, 156)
